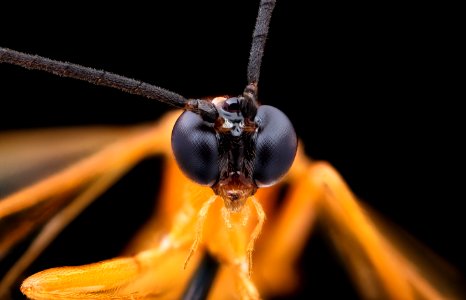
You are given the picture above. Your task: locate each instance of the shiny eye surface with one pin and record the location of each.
(276, 145)
(195, 148)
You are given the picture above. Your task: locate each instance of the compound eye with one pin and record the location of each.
(276, 145)
(195, 148)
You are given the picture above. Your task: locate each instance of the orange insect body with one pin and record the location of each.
(155, 261)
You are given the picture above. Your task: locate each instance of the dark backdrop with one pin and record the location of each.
(371, 88)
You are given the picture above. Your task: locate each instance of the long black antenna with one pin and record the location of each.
(97, 77)
(258, 40)
(104, 78)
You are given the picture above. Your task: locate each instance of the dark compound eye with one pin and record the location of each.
(276, 145)
(195, 148)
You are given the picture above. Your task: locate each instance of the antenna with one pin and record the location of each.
(104, 78)
(258, 40)
(259, 37)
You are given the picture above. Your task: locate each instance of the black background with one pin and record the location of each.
(371, 88)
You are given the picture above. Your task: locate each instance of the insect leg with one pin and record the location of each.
(132, 148)
(317, 189)
(282, 243)
(202, 215)
(152, 274)
(363, 245)
(256, 232)
(55, 225)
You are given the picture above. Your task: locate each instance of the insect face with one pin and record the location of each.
(247, 147)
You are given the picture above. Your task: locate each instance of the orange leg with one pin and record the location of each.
(320, 189)
(380, 269)
(145, 141)
(286, 234)
(56, 224)
(341, 209)
(151, 274)
(393, 265)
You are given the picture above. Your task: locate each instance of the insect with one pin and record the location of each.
(219, 87)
